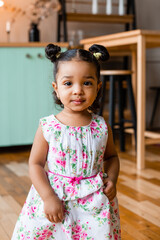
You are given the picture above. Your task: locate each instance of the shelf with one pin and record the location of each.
(99, 18)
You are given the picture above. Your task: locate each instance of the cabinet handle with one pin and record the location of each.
(28, 55)
(39, 55)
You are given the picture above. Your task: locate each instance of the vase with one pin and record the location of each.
(94, 6)
(34, 33)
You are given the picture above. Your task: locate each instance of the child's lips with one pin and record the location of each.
(78, 101)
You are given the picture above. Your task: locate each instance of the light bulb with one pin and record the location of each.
(1, 3)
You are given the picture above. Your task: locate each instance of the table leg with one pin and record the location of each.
(134, 75)
(141, 103)
(134, 84)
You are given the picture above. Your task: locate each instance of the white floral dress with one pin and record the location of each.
(75, 161)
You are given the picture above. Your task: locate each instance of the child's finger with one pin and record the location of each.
(107, 189)
(56, 219)
(60, 215)
(49, 217)
(105, 181)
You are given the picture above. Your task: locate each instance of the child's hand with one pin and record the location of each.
(53, 209)
(109, 188)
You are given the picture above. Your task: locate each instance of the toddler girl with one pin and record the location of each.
(76, 197)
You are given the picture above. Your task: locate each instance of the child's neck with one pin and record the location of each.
(74, 119)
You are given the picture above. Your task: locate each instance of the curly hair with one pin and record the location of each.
(54, 54)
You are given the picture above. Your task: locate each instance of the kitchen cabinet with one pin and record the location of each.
(25, 92)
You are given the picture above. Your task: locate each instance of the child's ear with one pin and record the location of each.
(54, 85)
(99, 86)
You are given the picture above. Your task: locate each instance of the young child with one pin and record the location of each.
(75, 199)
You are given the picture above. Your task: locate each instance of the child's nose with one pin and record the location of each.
(77, 89)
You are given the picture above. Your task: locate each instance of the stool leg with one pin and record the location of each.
(103, 92)
(155, 107)
(121, 116)
(111, 102)
(133, 109)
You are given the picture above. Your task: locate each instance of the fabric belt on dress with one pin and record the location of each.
(73, 180)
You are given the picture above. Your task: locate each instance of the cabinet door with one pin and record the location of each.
(25, 93)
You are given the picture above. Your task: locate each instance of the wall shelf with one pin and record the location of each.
(65, 15)
(99, 18)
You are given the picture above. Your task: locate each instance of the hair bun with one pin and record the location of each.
(95, 48)
(51, 51)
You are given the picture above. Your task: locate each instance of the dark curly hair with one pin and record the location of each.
(54, 54)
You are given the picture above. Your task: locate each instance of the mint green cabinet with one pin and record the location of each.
(25, 93)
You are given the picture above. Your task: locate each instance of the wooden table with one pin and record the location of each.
(136, 42)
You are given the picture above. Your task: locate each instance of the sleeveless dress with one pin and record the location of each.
(75, 162)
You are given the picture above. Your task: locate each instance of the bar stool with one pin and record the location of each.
(157, 89)
(118, 76)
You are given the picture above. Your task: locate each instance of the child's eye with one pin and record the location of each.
(87, 83)
(68, 83)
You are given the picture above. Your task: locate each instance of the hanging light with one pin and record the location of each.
(1, 3)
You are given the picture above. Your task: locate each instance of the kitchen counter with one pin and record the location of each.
(33, 44)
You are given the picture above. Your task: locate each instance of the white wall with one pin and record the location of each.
(149, 18)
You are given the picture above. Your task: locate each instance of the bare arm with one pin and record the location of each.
(111, 167)
(39, 178)
(37, 162)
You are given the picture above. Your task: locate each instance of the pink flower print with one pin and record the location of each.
(60, 162)
(74, 158)
(84, 155)
(79, 129)
(61, 154)
(82, 201)
(104, 213)
(94, 124)
(76, 237)
(92, 130)
(54, 149)
(116, 237)
(108, 215)
(116, 211)
(84, 165)
(57, 126)
(77, 229)
(96, 181)
(90, 199)
(33, 209)
(91, 181)
(83, 236)
(112, 204)
(71, 190)
(72, 129)
(55, 179)
(100, 159)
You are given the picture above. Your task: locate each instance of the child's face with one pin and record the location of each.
(76, 85)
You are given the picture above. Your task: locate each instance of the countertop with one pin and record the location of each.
(32, 44)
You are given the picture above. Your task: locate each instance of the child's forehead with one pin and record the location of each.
(76, 63)
(76, 68)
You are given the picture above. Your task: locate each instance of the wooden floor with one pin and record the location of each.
(138, 192)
